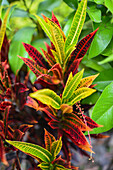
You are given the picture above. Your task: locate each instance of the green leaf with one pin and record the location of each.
(48, 97)
(16, 47)
(58, 41)
(56, 147)
(72, 85)
(80, 94)
(3, 28)
(109, 49)
(103, 111)
(106, 60)
(94, 14)
(33, 150)
(99, 1)
(76, 26)
(45, 26)
(109, 5)
(104, 79)
(72, 3)
(102, 38)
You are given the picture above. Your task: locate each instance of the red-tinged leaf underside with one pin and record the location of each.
(99, 136)
(37, 70)
(76, 120)
(91, 122)
(49, 50)
(81, 48)
(49, 139)
(75, 133)
(36, 56)
(2, 152)
(66, 150)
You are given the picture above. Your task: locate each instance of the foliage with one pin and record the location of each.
(52, 95)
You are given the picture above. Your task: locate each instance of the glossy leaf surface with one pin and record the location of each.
(48, 97)
(103, 110)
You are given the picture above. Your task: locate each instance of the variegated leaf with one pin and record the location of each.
(3, 28)
(80, 94)
(76, 26)
(48, 97)
(33, 150)
(72, 85)
(49, 139)
(56, 147)
(58, 41)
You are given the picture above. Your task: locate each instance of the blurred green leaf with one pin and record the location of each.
(99, 1)
(105, 78)
(109, 50)
(109, 5)
(102, 38)
(94, 14)
(19, 13)
(72, 3)
(48, 5)
(16, 47)
(91, 99)
(103, 111)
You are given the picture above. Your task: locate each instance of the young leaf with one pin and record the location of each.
(33, 150)
(80, 94)
(76, 26)
(47, 97)
(3, 28)
(72, 85)
(56, 147)
(58, 40)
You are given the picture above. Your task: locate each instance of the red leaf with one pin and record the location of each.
(71, 117)
(55, 20)
(32, 103)
(54, 124)
(49, 113)
(4, 104)
(25, 127)
(80, 51)
(99, 136)
(75, 133)
(49, 57)
(17, 135)
(49, 50)
(36, 55)
(5, 119)
(2, 153)
(91, 123)
(49, 139)
(32, 65)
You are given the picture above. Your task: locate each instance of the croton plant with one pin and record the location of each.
(56, 95)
